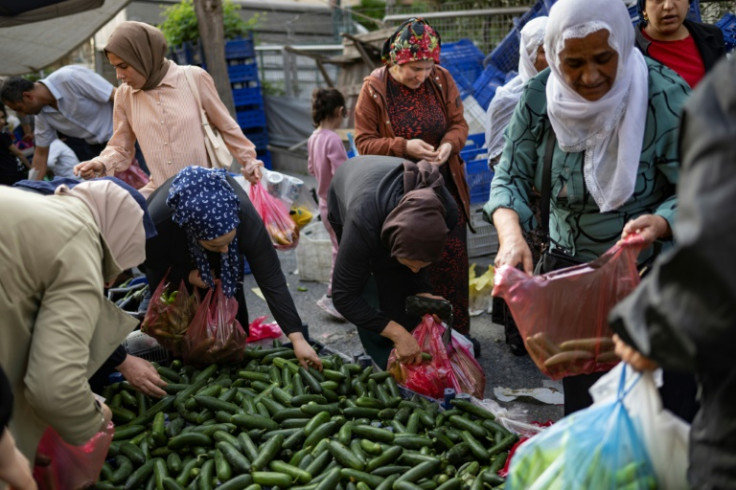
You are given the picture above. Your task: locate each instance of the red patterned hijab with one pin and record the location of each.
(414, 40)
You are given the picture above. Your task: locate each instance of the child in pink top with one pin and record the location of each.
(326, 153)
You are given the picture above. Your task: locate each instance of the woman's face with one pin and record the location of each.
(665, 17)
(540, 61)
(414, 265)
(589, 65)
(413, 74)
(219, 244)
(126, 73)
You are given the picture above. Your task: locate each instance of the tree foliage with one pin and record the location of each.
(180, 22)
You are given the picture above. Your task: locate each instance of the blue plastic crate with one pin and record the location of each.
(475, 140)
(251, 119)
(471, 154)
(265, 157)
(258, 137)
(464, 61)
(247, 97)
(479, 177)
(485, 86)
(242, 73)
(727, 25)
(505, 56)
(240, 48)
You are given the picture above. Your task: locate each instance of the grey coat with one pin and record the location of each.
(683, 315)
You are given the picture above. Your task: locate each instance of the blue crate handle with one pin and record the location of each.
(353, 152)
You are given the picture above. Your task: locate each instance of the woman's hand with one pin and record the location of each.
(14, 466)
(650, 227)
(195, 279)
(89, 169)
(253, 171)
(443, 153)
(143, 376)
(430, 296)
(421, 150)
(633, 357)
(304, 352)
(512, 249)
(407, 348)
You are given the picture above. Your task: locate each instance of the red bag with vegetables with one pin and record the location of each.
(562, 315)
(215, 335)
(281, 228)
(169, 314)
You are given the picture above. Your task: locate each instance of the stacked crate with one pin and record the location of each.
(240, 56)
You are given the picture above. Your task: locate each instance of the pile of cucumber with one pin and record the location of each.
(269, 422)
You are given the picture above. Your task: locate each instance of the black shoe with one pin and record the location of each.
(517, 349)
(476, 346)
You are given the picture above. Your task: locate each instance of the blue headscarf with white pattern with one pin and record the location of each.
(206, 207)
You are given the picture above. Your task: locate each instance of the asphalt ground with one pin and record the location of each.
(518, 375)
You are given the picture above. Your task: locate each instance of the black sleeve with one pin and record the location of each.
(6, 401)
(255, 244)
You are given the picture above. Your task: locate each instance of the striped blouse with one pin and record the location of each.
(166, 123)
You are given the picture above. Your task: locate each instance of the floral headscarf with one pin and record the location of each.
(206, 206)
(414, 40)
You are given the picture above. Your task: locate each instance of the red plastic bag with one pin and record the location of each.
(562, 314)
(259, 330)
(281, 228)
(71, 467)
(134, 175)
(469, 373)
(431, 377)
(215, 335)
(169, 314)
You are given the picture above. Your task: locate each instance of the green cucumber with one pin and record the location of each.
(272, 479)
(345, 456)
(296, 473)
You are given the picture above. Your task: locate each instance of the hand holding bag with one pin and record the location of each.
(217, 151)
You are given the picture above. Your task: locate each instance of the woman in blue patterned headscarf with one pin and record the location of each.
(206, 226)
(206, 207)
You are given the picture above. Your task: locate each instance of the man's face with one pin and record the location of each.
(29, 104)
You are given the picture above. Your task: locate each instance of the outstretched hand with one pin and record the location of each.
(305, 354)
(142, 376)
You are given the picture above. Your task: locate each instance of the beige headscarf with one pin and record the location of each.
(143, 47)
(119, 217)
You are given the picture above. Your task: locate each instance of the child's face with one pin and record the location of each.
(3, 119)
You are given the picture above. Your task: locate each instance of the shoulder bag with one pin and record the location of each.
(551, 258)
(217, 151)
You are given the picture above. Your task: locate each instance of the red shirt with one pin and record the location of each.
(681, 56)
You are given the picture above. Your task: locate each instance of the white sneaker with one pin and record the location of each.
(325, 303)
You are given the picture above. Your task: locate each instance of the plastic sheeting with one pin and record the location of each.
(289, 120)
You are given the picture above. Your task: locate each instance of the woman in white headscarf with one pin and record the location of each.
(56, 256)
(614, 163)
(531, 62)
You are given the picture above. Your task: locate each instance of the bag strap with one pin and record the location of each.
(547, 184)
(195, 91)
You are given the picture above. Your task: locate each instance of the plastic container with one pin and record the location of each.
(142, 345)
(314, 253)
(485, 240)
(479, 177)
(251, 119)
(240, 48)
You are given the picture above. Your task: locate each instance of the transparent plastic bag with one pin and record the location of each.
(215, 335)
(259, 330)
(562, 315)
(281, 228)
(71, 467)
(480, 299)
(598, 447)
(169, 314)
(431, 376)
(134, 175)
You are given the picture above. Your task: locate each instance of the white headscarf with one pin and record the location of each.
(610, 130)
(119, 217)
(506, 97)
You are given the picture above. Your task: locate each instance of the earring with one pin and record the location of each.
(645, 16)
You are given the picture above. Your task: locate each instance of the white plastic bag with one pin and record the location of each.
(665, 435)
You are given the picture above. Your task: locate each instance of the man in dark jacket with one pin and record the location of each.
(683, 315)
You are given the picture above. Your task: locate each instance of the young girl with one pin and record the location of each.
(11, 170)
(326, 153)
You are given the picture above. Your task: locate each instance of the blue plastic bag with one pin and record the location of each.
(598, 447)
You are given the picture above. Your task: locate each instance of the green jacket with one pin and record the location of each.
(57, 326)
(576, 222)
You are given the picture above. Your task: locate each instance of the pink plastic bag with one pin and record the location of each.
(215, 335)
(71, 467)
(431, 377)
(281, 228)
(562, 315)
(468, 372)
(259, 330)
(134, 175)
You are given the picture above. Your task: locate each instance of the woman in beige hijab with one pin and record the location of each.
(155, 105)
(58, 327)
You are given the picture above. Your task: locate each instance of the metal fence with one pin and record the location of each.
(287, 73)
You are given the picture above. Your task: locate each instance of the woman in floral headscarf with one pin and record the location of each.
(206, 224)
(411, 108)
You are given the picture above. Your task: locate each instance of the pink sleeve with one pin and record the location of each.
(335, 152)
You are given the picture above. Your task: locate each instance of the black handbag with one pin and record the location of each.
(551, 258)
